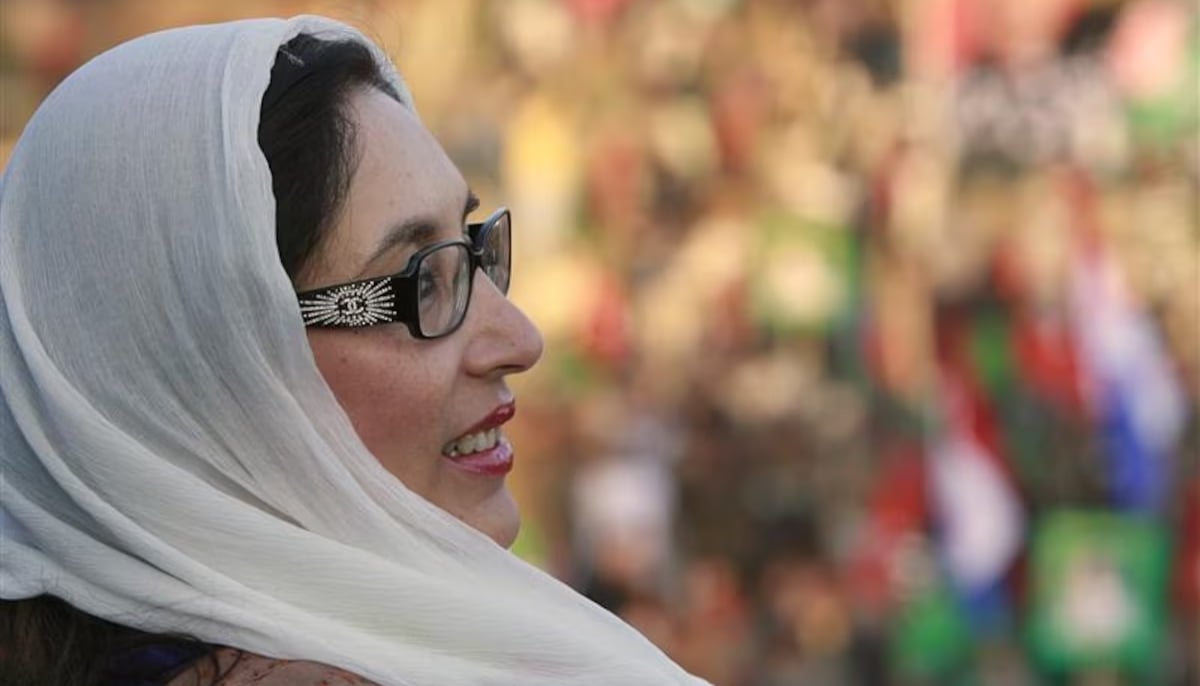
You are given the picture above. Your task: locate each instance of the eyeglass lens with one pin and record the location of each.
(497, 252)
(443, 285)
(444, 278)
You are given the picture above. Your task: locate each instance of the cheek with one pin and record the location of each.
(393, 394)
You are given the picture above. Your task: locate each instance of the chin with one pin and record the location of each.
(508, 536)
(499, 520)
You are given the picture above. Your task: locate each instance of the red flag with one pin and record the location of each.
(1046, 352)
(895, 514)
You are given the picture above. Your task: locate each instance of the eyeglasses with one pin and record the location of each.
(430, 295)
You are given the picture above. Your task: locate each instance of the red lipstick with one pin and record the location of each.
(494, 460)
(496, 417)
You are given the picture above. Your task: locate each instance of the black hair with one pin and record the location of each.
(307, 134)
(45, 641)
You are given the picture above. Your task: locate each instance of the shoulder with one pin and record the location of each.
(239, 668)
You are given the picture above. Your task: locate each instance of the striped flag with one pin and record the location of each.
(979, 518)
(1129, 383)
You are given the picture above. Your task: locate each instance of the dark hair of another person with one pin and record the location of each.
(307, 134)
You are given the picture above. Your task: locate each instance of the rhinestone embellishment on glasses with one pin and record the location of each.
(356, 304)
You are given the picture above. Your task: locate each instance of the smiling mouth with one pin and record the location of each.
(490, 453)
(484, 451)
(473, 443)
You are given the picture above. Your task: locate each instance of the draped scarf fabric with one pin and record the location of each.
(170, 457)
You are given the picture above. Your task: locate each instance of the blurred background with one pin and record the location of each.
(873, 326)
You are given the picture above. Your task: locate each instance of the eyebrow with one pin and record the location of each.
(414, 231)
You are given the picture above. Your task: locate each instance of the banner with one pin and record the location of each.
(1098, 583)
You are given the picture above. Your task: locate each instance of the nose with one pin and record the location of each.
(502, 339)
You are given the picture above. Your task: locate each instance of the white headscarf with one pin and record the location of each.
(171, 458)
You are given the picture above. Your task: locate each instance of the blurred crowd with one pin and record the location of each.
(873, 326)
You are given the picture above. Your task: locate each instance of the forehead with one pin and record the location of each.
(401, 173)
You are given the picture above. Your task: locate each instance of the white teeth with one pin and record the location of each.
(472, 443)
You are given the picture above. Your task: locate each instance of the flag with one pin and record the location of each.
(979, 517)
(1130, 385)
(895, 517)
(1098, 596)
(979, 520)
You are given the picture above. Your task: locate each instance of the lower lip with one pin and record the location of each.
(496, 461)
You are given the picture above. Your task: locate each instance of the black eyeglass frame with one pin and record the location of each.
(395, 298)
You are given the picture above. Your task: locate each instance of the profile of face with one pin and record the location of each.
(428, 410)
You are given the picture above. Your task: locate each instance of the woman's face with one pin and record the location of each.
(411, 400)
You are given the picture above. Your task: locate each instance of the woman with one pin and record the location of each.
(253, 362)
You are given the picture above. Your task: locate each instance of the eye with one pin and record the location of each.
(436, 276)
(429, 282)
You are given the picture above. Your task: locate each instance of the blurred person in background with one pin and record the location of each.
(254, 366)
